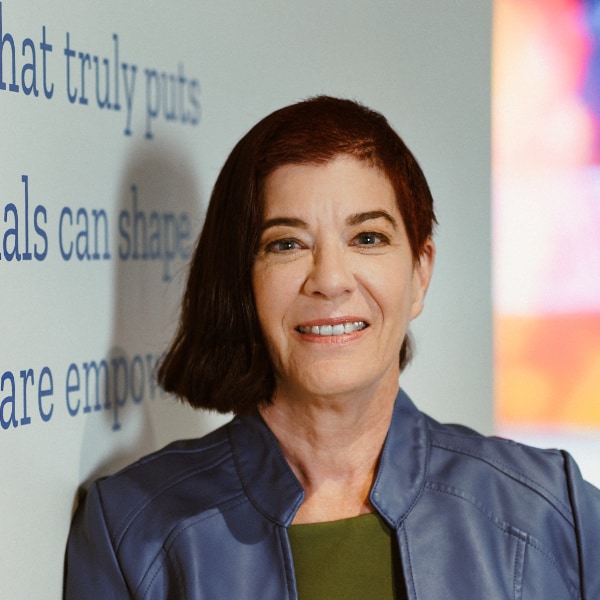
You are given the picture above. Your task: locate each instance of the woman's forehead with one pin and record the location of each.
(344, 184)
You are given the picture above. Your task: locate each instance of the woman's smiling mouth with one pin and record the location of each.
(331, 330)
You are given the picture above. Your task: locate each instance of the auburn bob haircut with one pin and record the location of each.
(218, 359)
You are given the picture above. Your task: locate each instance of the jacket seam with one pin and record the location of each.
(176, 532)
(178, 574)
(110, 541)
(155, 575)
(287, 560)
(172, 537)
(505, 528)
(126, 522)
(409, 560)
(510, 471)
(519, 570)
(167, 451)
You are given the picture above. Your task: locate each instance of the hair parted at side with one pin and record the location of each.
(218, 359)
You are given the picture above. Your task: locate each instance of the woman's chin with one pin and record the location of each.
(335, 384)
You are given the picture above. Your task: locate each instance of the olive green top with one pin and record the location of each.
(352, 558)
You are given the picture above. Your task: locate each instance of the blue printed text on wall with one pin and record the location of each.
(100, 78)
(84, 234)
(106, 386)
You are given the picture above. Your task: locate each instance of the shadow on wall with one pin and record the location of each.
(156, 219)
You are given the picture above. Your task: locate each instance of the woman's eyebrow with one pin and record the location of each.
(352, 220)
(358, 218)
(284, 221)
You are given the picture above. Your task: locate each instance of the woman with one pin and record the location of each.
(315, 255)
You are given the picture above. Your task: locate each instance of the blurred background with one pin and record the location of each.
(546, 224)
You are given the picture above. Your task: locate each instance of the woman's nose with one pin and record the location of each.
(330, 274)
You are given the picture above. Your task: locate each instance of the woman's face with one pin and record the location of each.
(334, 281)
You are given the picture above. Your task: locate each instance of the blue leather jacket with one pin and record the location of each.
(475, 518)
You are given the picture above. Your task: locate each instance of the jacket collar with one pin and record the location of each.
(274, 490)
(403, 463)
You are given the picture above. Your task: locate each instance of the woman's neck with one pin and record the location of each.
(333, 447)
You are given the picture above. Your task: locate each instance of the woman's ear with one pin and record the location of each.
(422, 272)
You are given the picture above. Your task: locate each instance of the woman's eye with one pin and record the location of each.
(369, 238)
(282, 245)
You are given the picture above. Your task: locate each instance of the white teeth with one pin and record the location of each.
(329, 330)
(337, 330)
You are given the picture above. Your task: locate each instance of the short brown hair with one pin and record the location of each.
(218, 359)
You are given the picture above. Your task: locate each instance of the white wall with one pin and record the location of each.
(425, 65)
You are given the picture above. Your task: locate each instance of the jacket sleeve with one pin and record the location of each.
(92, 570)
(585, 501)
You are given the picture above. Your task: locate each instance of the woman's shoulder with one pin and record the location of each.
(175, 459)
(197, 473)
(501, 453)
(500, 468)
(127, 522)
